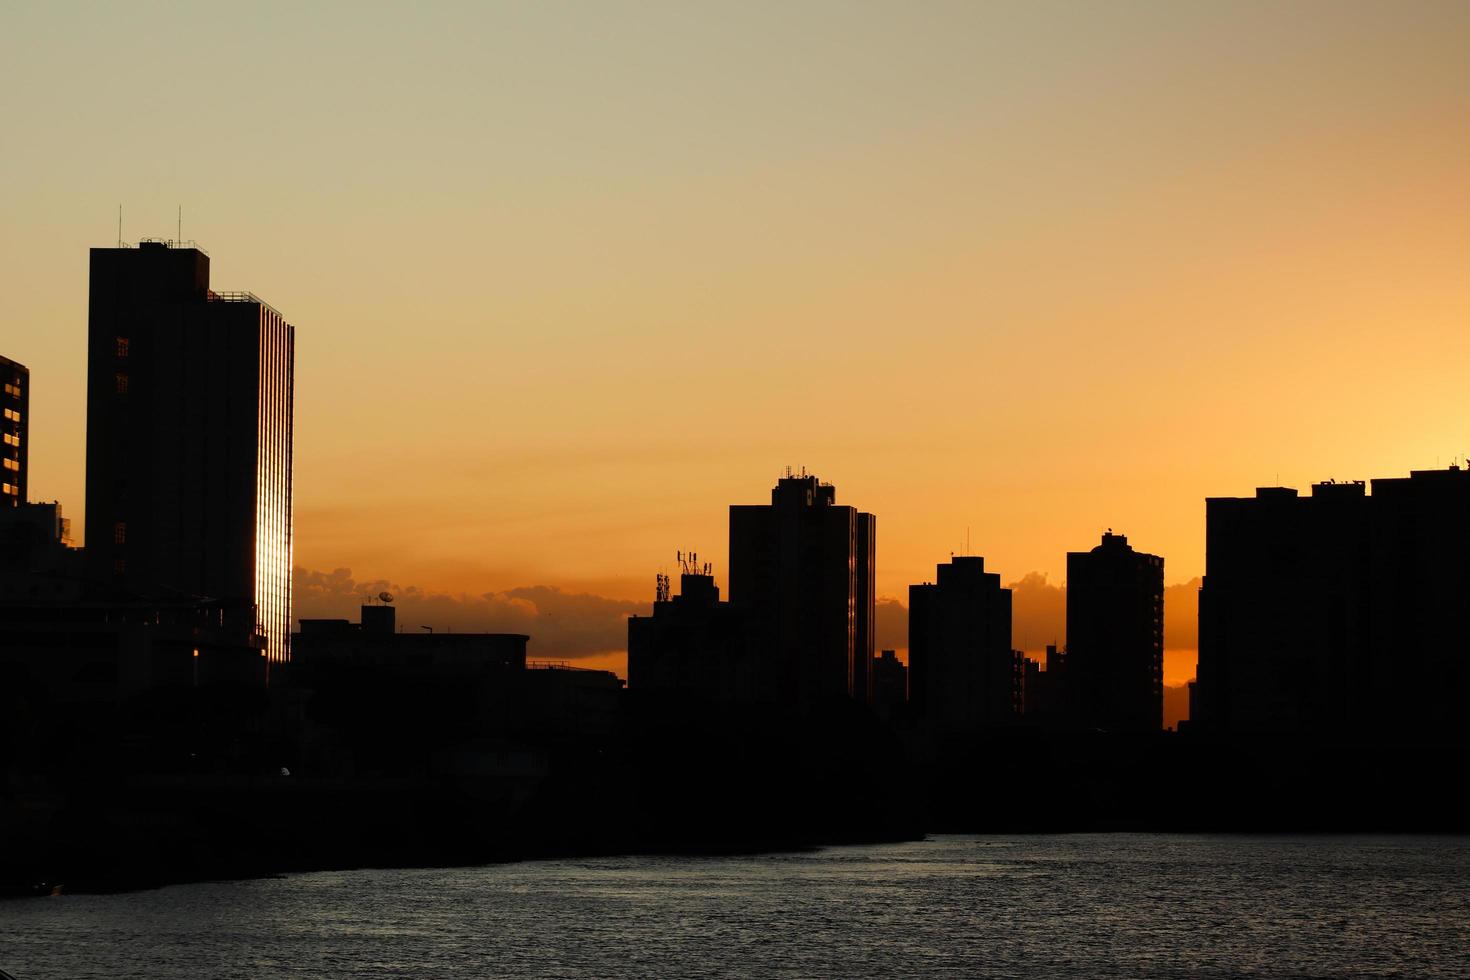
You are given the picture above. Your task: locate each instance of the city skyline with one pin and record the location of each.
(842, 488)
(1065, 272)
(1056, 269)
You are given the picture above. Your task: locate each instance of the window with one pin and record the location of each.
(12, 415)
(122, 347)
(10, 440)
(122, 383)
(120, 532)
(7, 488)
(11, 464)
(120, 567)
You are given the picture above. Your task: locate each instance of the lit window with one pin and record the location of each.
(119, 567)
(11, 440)
(7, 488)
(12, 415)
(120, 532)
(12, 464)
(122, 383)
(122, 347)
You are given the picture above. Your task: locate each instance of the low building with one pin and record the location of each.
(890, 685)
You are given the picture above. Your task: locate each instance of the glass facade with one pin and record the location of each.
(189, 441)
(273, 484)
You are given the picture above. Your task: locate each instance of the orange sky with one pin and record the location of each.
(569, 280)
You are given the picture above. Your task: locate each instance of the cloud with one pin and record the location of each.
(562, 625)
(890, 624)
(1181, 615)
(1038, 612)
(1039, 616)
(574, 625)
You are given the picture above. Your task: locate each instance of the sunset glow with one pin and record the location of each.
(569, 281)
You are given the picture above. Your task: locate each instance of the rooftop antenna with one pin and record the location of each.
(967, 540)
(180, 232)
(119, 226)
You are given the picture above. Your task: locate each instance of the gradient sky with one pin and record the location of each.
(570, 279)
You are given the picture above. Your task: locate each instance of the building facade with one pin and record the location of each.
(1338, 612)
(1115, 637)
(963, 674)
(15, 420)
(801, 571)
(189, 438)
(692, 643)
(890, 685)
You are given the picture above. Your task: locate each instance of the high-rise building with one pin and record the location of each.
(963, 674)
(801, 570)
(189, 438)
(1338, 612)
(1283, 627)
(15, 420)
(1115, 637)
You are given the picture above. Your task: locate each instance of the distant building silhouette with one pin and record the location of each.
(963, 674)
(1325, 613)
(801, 569)
(15, 440)
(375, 640)
(890, 685)
(1046, 691)
(484, 679)
(189, 438)
(1115, 637)
(693, 642)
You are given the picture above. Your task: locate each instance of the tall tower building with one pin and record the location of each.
(15, 419)
(1115, 636)
(963, 674)
(189, 438)
(801, 568)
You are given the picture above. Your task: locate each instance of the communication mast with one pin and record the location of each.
(689, 565)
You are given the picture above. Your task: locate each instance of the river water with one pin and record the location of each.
(1045, 906)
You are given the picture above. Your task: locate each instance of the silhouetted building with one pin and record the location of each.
(1284, 610)
(692, 643)
(473, 684)
(1046, 693)
(801, 569)
(189, 438)
(36, 557)
(375, 641)
(15, 420)
(1115, 636)
(890, 684)
(963, 674)
(60, 648)
(1326, 613)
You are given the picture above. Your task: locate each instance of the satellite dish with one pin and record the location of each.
(386, 596)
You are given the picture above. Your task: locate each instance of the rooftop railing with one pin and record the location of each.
(239, 296)
(169, 243)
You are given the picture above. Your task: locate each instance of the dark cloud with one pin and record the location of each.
(562, 625)
(1181, 615)
(1039, 616)
(1038, 612)
(891, 624)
